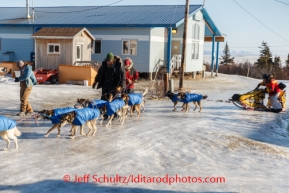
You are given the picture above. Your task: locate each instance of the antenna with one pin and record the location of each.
(27, 9)
(33, 10)
(204, 3)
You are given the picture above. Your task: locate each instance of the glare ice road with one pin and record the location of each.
(248, 148)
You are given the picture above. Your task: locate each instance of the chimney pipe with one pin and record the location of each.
(27, 9)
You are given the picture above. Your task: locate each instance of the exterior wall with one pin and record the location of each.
(17, 40)
(85, 41)
(157, 47)
(192, 64)
(111, 40)
(51, 61)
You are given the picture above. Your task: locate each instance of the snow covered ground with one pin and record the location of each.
(248, 148)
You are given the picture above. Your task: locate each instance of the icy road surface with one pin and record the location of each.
(248, 149)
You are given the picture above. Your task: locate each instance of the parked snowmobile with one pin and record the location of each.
(256, 100)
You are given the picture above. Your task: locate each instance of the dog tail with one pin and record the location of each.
(145, 92)
(205, 96)
(17, 133)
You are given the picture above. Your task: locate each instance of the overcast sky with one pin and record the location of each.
(242, 30)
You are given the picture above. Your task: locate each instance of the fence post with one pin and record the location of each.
(248, 71)
(166, 82)
(171, 83)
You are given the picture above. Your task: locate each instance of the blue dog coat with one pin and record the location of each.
(175, 98)
(192, 97)
(114, 105)
(84, 115)
(6, 124)
(55, 119)
(97, 104)
(134, 99)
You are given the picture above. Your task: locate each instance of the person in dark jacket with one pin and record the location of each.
(131, 75)
(27, 80)
(110, 75)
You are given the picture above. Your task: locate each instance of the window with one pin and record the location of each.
(129, 47)
(196, 41)
(97, 46)
(53, 48)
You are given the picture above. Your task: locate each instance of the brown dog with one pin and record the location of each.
(79, 118)
(136, 101)
(191, 97)
(116, 106)
(54, 117)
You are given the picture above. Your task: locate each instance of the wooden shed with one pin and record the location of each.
(54, 46)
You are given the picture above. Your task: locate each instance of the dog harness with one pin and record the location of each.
(84, 115)
(114, 105)
(134, 99)
(6, 124)
(192, 97)
(97, 104)
(55, 119)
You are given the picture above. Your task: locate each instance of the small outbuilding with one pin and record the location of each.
(54, 46)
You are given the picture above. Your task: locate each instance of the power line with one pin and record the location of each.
(260, 21)
(98, 7)
(282, 2)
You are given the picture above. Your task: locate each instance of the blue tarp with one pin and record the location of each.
(114, 105)
(6, 124)
(97, 104)
(84, 115)
(135, 99)
(55, 119)
(192, 97)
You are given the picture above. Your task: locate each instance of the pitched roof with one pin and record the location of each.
(67, 33)
(98, 16)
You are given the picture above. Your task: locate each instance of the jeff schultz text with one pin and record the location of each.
(142, 179)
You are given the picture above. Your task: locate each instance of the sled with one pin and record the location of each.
(43, 75)
(256, 100)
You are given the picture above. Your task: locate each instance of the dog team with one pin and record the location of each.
(117, 83)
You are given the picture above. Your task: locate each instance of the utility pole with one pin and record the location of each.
(183, 66)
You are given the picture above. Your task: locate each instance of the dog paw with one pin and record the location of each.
(57, 136)
(16, 147)
(72, 137)
(5, 149)
(45, 135)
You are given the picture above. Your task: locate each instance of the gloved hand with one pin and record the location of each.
(93, 85)
(16, 79)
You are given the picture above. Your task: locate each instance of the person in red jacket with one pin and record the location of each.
(274, 92)
(131, 75)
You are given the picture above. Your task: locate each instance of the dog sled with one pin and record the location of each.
(256, 100)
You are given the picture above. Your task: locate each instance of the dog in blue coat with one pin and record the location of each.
(174, 98)
(8, 130)
(136, 101)
(54, 116)
(80, 117)
(117, 106)
(87, 103)
(191, 97)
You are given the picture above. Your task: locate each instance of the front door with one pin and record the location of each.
(176, 47)
(79, 52)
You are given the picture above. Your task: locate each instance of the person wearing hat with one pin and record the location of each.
(131, 75)
(274, 92)
(264, 81)
(110, 75)
(27, 80)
